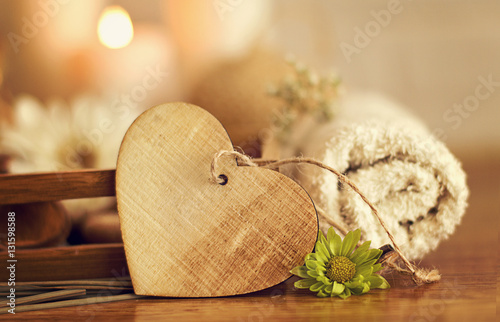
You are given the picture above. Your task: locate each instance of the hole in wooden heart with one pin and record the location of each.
(224, 179)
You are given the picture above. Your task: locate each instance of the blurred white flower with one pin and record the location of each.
(86, 133)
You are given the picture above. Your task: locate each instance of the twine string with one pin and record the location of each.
(419, 276)
(241, 159)
(343, 230)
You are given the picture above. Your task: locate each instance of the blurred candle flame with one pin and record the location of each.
(115, 28)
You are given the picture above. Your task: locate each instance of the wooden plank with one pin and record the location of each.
(39, 224)
(37, 187)
(53, 186)
(67, 263)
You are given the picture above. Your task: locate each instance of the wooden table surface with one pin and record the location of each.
(468, 290)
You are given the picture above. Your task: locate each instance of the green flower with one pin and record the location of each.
(336, 269)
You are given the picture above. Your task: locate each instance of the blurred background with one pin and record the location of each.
(74, 74)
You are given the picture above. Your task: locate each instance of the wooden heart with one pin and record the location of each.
(185, 235)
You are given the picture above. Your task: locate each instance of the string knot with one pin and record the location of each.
(423, 276)
(241, 159)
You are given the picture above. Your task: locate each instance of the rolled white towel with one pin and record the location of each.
(417, 185)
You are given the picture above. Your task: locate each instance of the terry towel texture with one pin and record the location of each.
(417, 185)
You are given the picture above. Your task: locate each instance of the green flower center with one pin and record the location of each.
(340, 269)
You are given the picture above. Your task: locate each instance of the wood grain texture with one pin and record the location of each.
(38, 187)
(187, 236)
(65, 263)
(468, 291)
(53, 186)
(39, 224)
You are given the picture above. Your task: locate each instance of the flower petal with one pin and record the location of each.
(360, 253)
(364, 270)
(350, 242)
(310, 256)
(364, 267)
(345, 294)
(355, 286)
(322, 293)
(377, 281)
(311, 264)
(337, 288)
(300, 271)
(366, 288)
(322, 251)
(324, 279)
(324, 242)
(321, 271)
(305, 283)
(321, 239)
(374, 254)
(330, 236)
(377, 267)
(312, 273)
(316, 287)
(335, 245)
(356, 290)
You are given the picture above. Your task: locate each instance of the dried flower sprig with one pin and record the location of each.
(304, 93)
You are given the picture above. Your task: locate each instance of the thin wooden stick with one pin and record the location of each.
(84, 301)
(87, 287)
(22, 293)
(49, 296)
(5, 288)
(95, 282)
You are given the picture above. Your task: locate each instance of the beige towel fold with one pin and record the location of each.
(417, 185)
